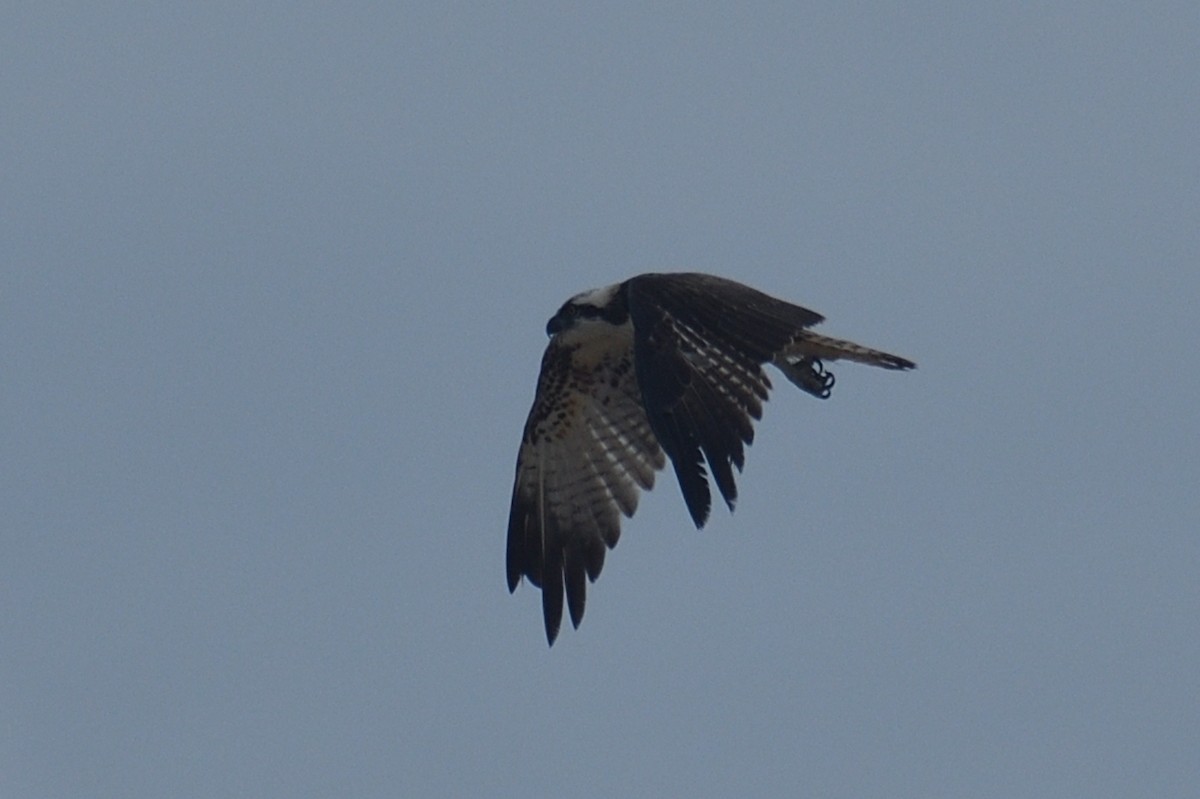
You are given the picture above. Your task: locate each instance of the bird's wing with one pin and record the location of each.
(700, 343)
(586, 451)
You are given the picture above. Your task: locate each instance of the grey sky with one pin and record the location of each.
(275, 279)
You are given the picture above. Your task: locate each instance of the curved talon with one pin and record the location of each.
(825, 379)
(808, 374)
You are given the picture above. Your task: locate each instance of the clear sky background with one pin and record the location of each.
(275, 281)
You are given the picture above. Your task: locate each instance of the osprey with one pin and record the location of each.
(660, 366)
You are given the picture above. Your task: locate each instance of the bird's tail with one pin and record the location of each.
(813, 345)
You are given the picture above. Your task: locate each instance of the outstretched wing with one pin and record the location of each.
(700, 343)
(586, 451)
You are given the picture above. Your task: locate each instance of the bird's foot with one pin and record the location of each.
(809, 375)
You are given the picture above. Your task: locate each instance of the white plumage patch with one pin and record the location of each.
(598, 297)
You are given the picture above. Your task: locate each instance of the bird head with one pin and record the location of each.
(598, 305)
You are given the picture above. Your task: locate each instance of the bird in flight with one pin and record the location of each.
(659, 366)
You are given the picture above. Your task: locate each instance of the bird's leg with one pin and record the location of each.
(808, 374)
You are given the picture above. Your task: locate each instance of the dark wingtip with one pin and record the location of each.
(552, 626)
(513, 569)
(576, 584)
(693, 484)
(552, 602)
